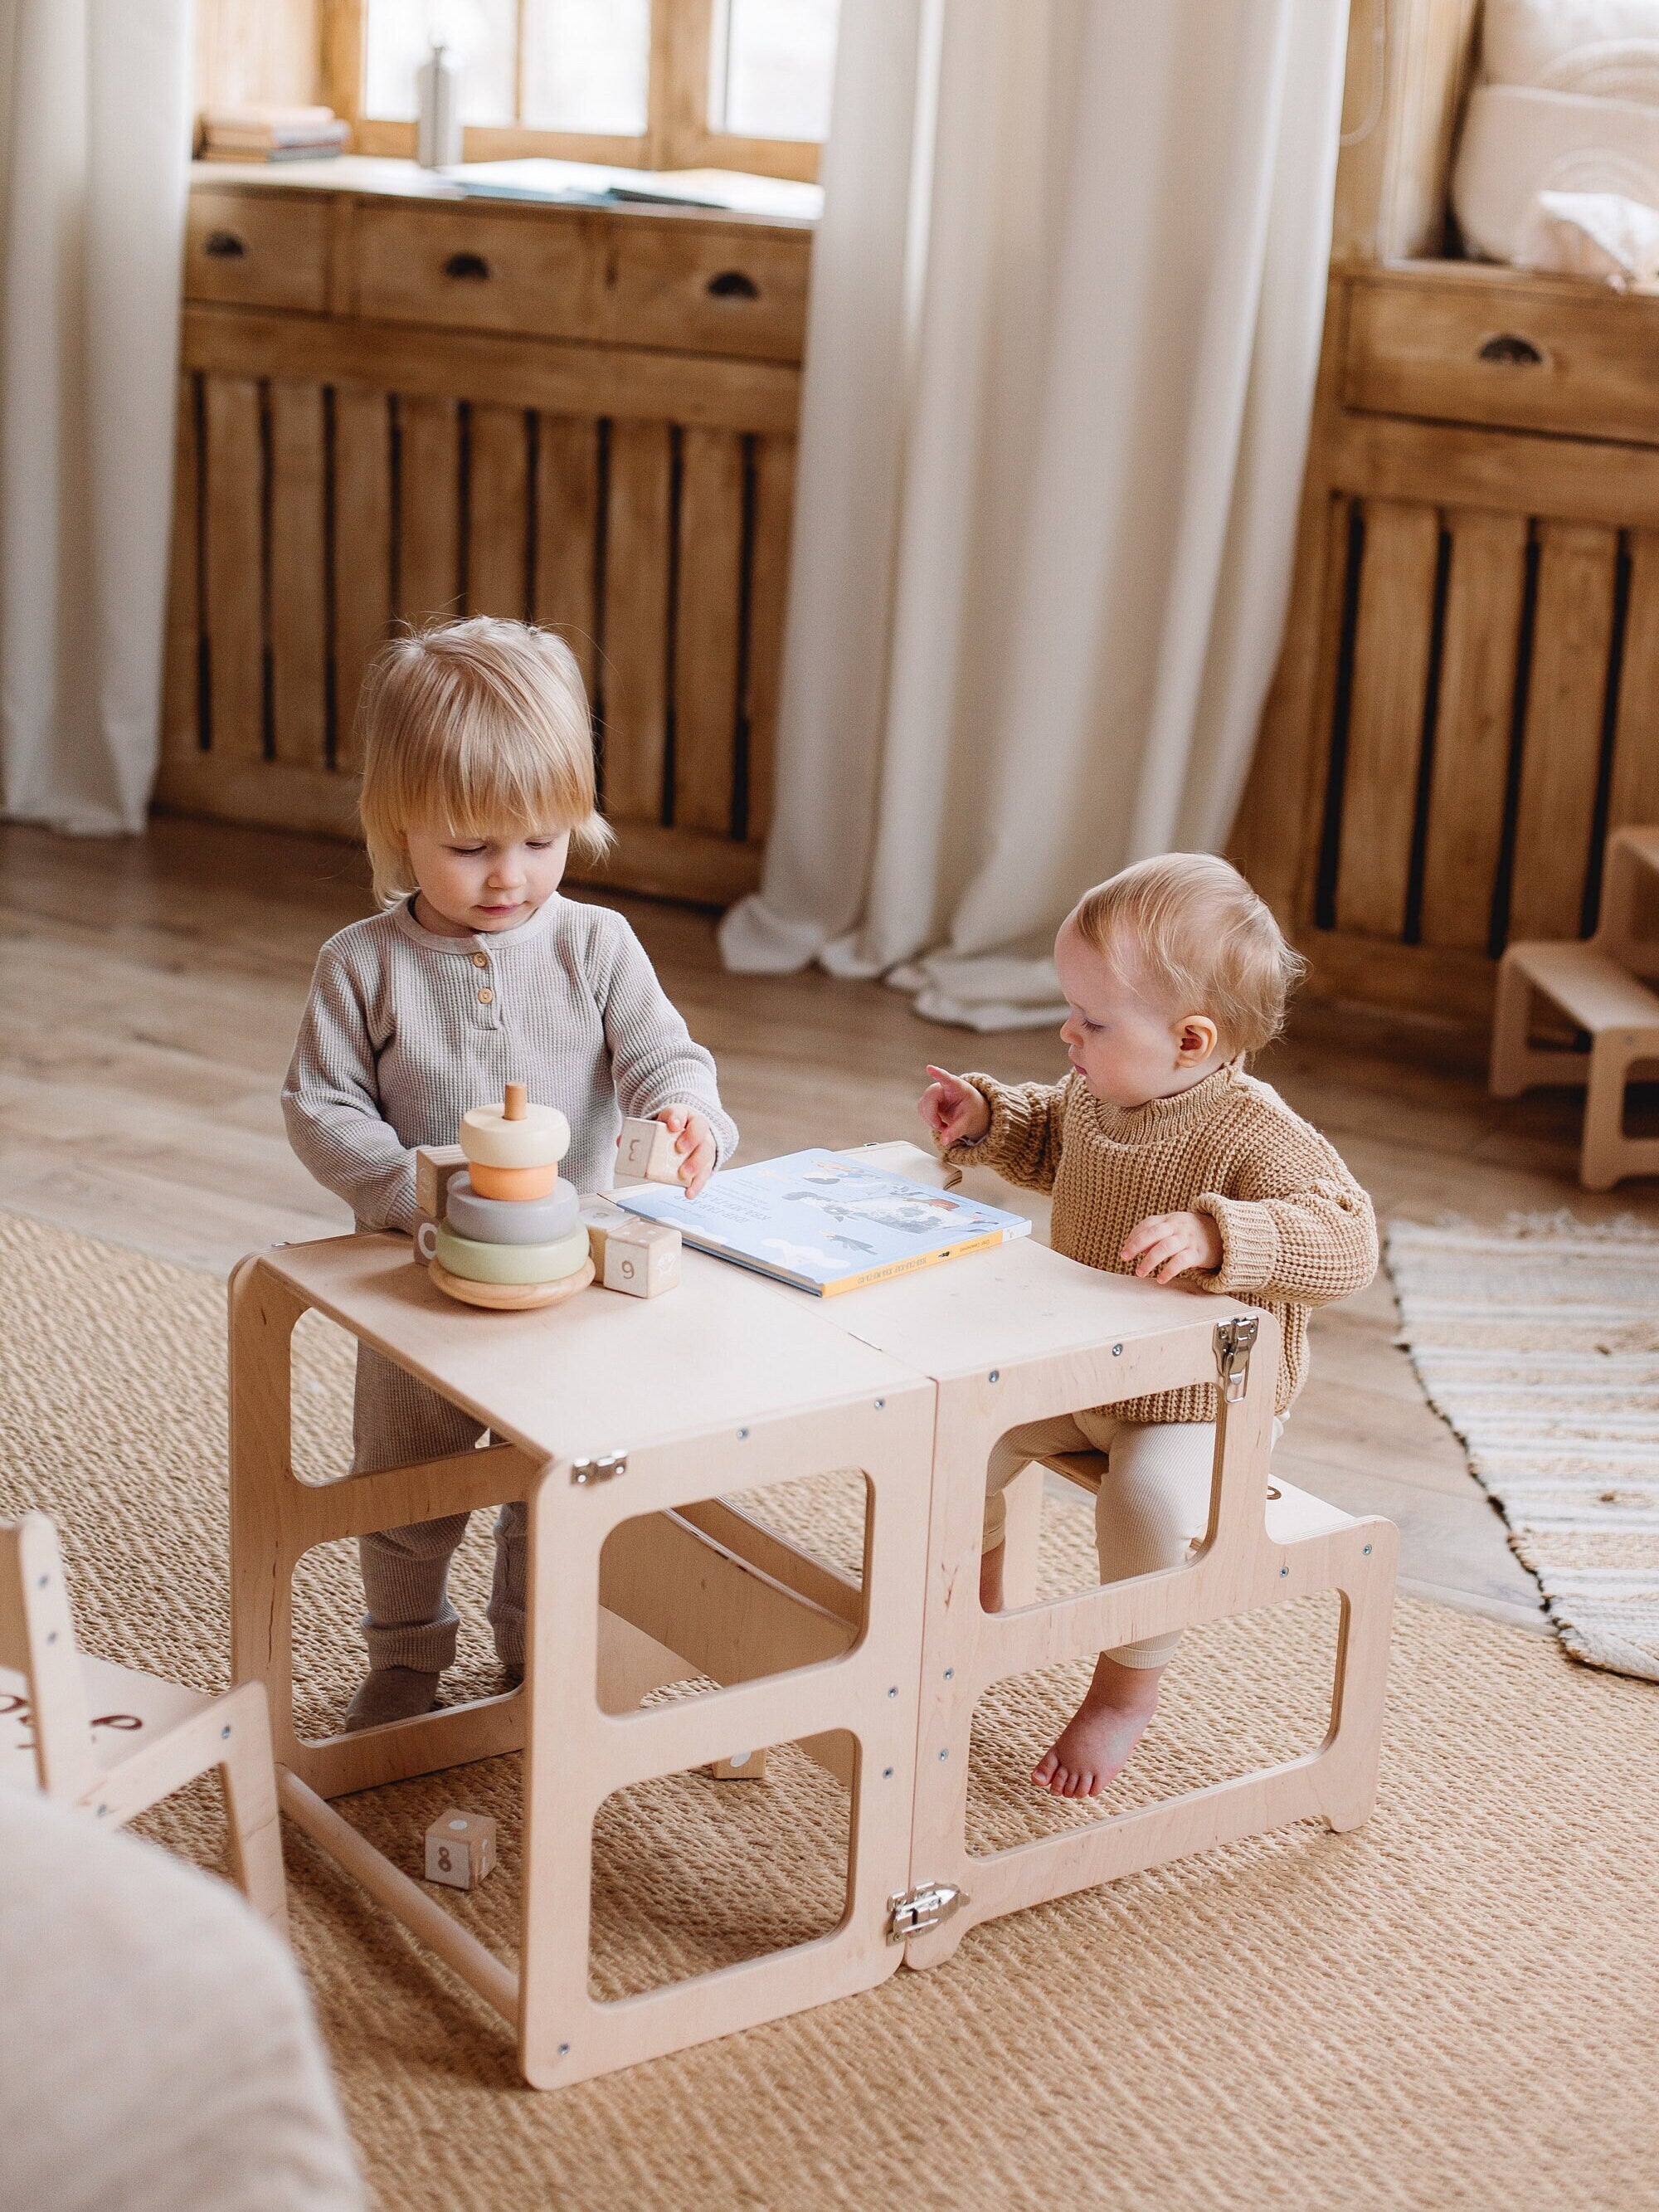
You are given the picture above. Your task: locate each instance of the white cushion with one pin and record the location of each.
(1603, 46)
(1518, 142)
(1596, 234)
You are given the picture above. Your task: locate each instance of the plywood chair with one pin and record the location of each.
(116, 1741)
(1603, 986)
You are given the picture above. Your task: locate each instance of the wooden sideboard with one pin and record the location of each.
(395, 405)
(1469, 694)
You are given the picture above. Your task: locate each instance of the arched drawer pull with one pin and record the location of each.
(733, 284)
(1515, 351)
(223, 245)
(470, 268)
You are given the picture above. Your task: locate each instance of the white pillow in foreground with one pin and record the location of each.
(1518, 142)
(1601, 235)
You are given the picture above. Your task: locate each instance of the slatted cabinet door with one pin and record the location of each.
(311, 518)
(1493, 712)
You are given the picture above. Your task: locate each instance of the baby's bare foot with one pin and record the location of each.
(1097, 1742)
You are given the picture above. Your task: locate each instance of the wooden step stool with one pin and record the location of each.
(1015, 1335)
(1603, 987)
(115, 1741)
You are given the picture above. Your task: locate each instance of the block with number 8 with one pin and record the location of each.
(460, 1849)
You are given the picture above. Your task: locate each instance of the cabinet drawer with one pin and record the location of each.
(258, 249)
(537, 273)
(1515, 355)
(706, 288)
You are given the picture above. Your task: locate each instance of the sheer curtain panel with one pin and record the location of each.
(1066, 312)
(94, 151)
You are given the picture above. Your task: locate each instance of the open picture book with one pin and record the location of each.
(825, 1221)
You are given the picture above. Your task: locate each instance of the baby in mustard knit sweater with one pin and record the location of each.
(1165, 1160)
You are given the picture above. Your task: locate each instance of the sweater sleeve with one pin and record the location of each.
(331, 1105)
(1302, 1230)
(1023, 1143)
(655, 1061)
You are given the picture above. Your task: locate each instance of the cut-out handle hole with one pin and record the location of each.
(223, 245)
(467, 268)
(733, 284)
(1509, 348)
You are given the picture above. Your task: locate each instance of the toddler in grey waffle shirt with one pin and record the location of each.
(478, 779)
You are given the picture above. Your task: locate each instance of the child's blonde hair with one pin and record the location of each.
(480, 725)
(1192, 934)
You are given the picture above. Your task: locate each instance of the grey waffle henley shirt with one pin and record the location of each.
(405, 1031)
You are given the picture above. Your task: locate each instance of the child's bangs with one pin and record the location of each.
(487, 775)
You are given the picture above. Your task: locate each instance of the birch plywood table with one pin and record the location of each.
(615, 1414)
(626, 1425)
(1018, 1334)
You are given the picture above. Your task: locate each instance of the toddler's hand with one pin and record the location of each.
(694, 1141)
(1166, 1245)
(955, 1112)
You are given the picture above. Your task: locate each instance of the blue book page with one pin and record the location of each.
(817, 1218)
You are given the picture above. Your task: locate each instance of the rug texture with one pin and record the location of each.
(1455, 2006)
(1538, 1344)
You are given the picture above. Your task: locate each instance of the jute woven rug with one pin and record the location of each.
(1456, 2006)
(1539, 1343)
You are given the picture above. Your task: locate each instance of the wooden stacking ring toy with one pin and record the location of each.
(508, 1263)
(535, 1137)
(514, 1185)
(512, 1236)
(502, 1221)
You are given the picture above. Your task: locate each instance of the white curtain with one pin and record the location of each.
(1066, 302)
(94, 151)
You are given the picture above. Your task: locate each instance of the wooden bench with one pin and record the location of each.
(1599, 986)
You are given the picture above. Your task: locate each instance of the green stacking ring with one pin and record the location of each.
(510, 1263)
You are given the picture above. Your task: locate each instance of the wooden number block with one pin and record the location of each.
(646, 1153)
(434, 1166)
(602, 1220)
(642, 1258)
(460, 1849)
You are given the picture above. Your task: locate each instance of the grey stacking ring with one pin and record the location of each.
(512, 1220)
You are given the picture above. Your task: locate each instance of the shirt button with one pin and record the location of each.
(480, 960)
(486, 997)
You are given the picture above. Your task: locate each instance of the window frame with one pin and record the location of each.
(679, 134)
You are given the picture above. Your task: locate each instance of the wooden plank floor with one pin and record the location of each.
(150, 991)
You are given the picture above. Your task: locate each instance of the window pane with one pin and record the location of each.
(780, 57)
(480, 36)
(588, 65)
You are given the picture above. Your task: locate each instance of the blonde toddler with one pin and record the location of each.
(478, 781)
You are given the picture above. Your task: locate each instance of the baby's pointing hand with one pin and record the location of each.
(955, 1112)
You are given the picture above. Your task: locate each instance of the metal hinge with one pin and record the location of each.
(1234, 1341)
(912, 1911)
(584, 1471)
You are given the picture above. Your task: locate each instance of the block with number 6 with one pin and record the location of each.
(641, 1259)
(460, 1849)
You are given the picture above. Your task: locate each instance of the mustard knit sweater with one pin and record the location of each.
(1297, 1230)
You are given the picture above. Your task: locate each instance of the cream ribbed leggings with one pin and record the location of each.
(1152, 1506)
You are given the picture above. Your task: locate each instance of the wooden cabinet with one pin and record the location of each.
(395, 408)
(1469, 694)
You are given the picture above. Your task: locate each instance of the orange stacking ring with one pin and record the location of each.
(513, 1182)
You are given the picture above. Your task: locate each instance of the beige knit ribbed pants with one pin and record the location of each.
(409, 1622)
(1151, 1508)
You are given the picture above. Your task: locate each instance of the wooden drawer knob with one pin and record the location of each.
(467, 268)
(733, 284)
(1512, 349)
(223, 245)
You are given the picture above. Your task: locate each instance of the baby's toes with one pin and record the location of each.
(1048, 1774)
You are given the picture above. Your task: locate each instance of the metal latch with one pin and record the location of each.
(1234, 1341)
(584, 1471)
(912, 1911)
